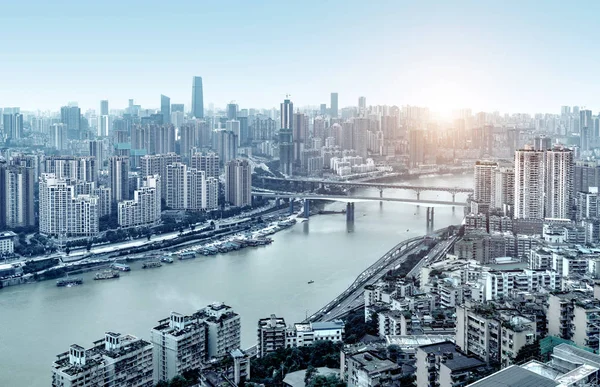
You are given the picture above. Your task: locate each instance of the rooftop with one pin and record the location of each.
(296, 379)
(371, 363)
(514, 376)
(417, 340)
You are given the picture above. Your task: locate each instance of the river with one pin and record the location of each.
(39, 321)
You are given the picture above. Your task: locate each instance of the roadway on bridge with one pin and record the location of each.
(342, 198)
(374, 185)
(352, 297)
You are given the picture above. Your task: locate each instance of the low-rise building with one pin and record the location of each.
(305, 334)
(575, 316)
(444, 366)
(115, 361)
(7, 242)
(271, 335)
(366, 369)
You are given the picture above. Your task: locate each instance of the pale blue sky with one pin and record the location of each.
(515, 56)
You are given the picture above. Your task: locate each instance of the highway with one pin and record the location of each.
(352, 297)
(439, 251)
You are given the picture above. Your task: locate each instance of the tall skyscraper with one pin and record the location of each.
(359, 136)
(119, 178)
(71, 117)
(529, 184)
(206, 162)
(58, 136)
(177, 107)
(197, 98)
(559, 182)
(286, 146)
(416, 143)
(177, 194)
(233, 126)
(334, 105)
(165, 108)
(238, 183)
(300, 134)
(104, 107)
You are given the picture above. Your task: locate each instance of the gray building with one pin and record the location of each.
(334, 105)
(223, 329)
(197, 98)
(165, 108)
(271, 335)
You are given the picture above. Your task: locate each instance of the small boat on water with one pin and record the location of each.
(120, 266)
(166, 259)
(311, 282)
(187, 255)
(69, 282)
(151, 265)
(107, 274)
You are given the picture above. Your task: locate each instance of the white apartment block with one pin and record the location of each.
(179, 345)
(189, 188)
(62, 213)
(206, 162)
(484, 172)
(529, 184)
(305, 334)
(145, 208)
(559, 183)
(115, 361)
(7, 242)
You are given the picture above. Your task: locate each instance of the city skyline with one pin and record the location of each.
(455, 56)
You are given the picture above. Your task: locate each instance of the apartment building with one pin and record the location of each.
(575, 316)
(115, 361)
(223, 329)
(179, 345)
(443, 365)
(271, 335)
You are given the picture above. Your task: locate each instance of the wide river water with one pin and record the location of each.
(39, 321)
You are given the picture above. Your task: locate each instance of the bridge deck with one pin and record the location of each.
(341, 198)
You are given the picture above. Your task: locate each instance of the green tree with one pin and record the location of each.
(309, 374)
(326, 381)
(529, 352)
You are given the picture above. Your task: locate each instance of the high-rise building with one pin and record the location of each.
(299, 135)
(286, 145)
(542, 143)
(503, 189)
(529, 184)
(271, 335)
(197, 98)
(103, 125)
(360, 131)
(206, 162)
(117, 361)
(13, 125)
(157, 165)
(559, 183)
(17, 187)
(416, 143)
(225, 144)
(71, 117)
(586, 121)
(484, 172)
(104, 107)
(362, 105)
(238, 183)
(179, 345)
(233, 126)
(58, 136)
(177, 194)
(144, 209)
(165, 108)
(119, 178)
(232, 111)
(63, 213)
(72, 168)
(334, 105)
(223, 329)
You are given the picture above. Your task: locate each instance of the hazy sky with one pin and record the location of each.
(523, 56)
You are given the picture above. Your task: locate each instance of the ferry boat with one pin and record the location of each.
(68, 282)
(151, 265)
(120, 266)
(187, 255)
(311, 282)
(107, 274)
(166, 259)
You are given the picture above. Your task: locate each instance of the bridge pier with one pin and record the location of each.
(291, 206)
(277, 202)
(453, 199)
(381, 192)
(350, 212)
(306, 208)
(430, 217)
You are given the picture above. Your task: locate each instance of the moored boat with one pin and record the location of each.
(107, 274)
